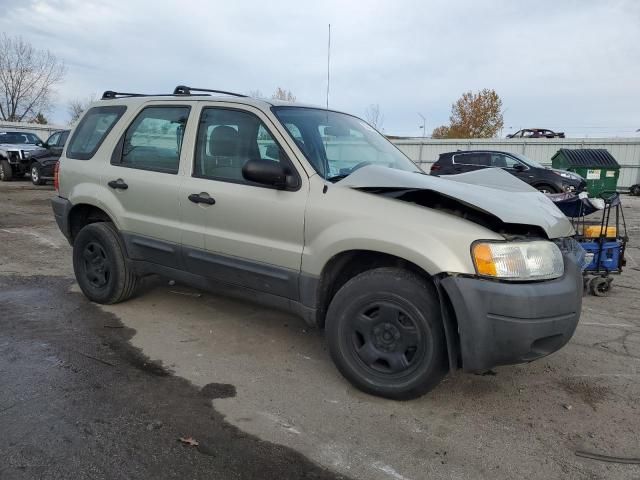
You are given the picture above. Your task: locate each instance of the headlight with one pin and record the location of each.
(567, 175)
(535, 260)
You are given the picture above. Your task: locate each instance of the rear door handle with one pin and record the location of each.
(118, 184)
(202, 197)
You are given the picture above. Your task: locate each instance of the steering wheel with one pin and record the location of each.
(359, 166)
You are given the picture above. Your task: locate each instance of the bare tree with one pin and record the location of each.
(76, 107)
(27, 79)
(256, 94)
(374, 116)
(40, 119)
(282, 94)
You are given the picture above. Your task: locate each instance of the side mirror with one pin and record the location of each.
(518, 167)
(265, 172)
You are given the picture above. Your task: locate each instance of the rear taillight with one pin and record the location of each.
(435, 167)
(56, 177)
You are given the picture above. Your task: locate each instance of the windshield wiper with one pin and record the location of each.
(337, 178)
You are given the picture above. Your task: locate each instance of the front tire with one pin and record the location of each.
(544, 188)
(6, 174)
(100, 265)
(385, 333)
(36, 177)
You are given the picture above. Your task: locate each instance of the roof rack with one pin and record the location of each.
(184, 90)
(180, 90)
(110, 94)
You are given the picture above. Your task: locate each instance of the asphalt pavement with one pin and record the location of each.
(88, 391)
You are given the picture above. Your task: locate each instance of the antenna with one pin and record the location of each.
(328, 65)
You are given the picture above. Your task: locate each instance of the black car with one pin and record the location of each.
(43, 163)
(547, 180)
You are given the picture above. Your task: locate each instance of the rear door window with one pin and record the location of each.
(477, 159)
(92, 130)
(154, 139)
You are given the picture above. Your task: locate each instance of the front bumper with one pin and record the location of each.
(501, 323)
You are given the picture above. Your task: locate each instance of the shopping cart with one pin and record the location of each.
(604, 242)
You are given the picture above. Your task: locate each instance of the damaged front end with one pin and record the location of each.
(524, 300)
(492, 198)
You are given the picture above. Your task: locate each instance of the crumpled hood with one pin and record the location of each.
(491, 190)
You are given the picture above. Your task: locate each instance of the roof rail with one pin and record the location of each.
(184, 90)
(110, 94)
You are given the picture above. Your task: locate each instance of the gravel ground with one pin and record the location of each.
(93, 392)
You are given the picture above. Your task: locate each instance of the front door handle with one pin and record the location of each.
(202, 197)
(118, 184)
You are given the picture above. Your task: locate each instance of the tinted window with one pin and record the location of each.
(63, 138)
(53, 139)
(154, 139)
(503, 161)
(480, 159)
(19, 138)
(92, 130)
(227, 139)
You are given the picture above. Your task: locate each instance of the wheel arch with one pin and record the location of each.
(347, 264)
(83, 214)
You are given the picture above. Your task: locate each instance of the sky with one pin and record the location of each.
(566, 65)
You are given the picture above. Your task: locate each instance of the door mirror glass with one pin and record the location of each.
(265, 172)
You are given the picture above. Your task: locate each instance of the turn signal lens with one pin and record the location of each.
(535, 260)
(484, 260)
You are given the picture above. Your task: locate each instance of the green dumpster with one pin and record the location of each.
(596, 166)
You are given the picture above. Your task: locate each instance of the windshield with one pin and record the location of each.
(337, 144)
(21, 138)
(528, 161)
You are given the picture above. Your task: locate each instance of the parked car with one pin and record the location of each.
(546, 180)
(16, 149)
(314, 211)
(42, 163)
(536, 133)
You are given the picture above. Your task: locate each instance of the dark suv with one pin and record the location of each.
(43, 162)
(547, 180)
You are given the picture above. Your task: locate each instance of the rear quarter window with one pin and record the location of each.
(92, 130)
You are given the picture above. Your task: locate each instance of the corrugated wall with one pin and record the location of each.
(625, 150)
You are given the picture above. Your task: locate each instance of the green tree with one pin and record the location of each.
(473, 115)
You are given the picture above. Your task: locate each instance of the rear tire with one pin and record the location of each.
(385, 333)
(36, 178)
(100, 266)
(6, 174)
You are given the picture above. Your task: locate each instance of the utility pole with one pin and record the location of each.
(328, 64)
(424, 125)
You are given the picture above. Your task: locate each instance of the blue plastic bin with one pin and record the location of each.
(609, 258)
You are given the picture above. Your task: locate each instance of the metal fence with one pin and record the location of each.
(626, 151)
(42, 131)
(425, 151)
